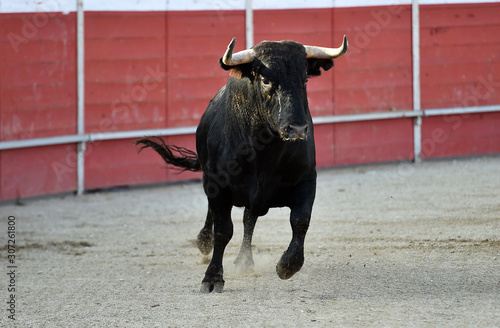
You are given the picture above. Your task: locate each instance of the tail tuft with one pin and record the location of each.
(186, 159)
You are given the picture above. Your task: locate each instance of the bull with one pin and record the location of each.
(255, 147)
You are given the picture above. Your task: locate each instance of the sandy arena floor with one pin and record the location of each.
(397, 245)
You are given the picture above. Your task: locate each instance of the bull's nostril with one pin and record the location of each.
(297, 130)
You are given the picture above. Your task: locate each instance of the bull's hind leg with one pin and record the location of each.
(293, 259)
(244, 261)
(205, 239)
(223, 232)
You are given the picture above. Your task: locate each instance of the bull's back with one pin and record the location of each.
(209, 128)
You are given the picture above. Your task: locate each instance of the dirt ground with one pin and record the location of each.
(397, 245)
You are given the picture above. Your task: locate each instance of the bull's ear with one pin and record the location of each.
(224, 66)
(236, 71)
(314, 66)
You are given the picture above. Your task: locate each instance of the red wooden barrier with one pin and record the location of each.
(158, 69)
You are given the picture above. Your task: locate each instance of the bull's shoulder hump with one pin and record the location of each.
(219, 95)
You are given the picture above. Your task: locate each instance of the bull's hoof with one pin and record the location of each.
(205, 241)
(208, 287)
(213, 280)
(289, 265)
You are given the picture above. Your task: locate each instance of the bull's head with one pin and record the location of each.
(273, 83)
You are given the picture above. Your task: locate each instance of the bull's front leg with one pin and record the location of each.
(293, 259)
(223, 232)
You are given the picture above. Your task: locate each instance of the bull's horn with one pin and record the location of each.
(242, 57)
(326, 53)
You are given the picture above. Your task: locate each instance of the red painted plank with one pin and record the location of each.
(39, 51)
(306, 26)
(102, 118)
(200, 67)
(123, 25)
(126, 70)
(286, 21)
(196, 47)
(455, 55)
(376, 141)
(316, 39)
(377, 36)
(130, 48)
(367, 59)
(98, 93)
(37, 123)
(195, 88)
(466, 15)
(322, 83)
(189, 97)
(366, 19)
(386, 77)
(457, 73)
(385, 39)
(116, 163)
(377, 88)
(19, 29)
(36, 171)
(379, 55)
(455, 36)
(39, 96)
(484, 91)
(196, 35)
(186, 112)
(207, 24)
(320, 102)
(39, 73)
(460, 135)
(324, 135)
(38, 100)
(356, 101)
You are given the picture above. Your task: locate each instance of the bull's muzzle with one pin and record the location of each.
(295, 132)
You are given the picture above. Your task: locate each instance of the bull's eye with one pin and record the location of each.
(266, 83)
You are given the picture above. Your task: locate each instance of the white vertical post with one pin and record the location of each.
(80, 188)
(249, 23)
(417, 121)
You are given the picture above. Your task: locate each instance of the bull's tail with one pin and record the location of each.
(186, 159)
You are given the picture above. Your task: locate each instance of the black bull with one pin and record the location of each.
(255, 146)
